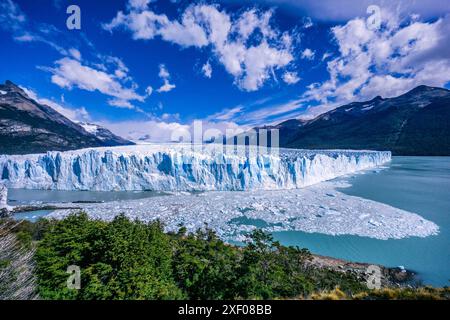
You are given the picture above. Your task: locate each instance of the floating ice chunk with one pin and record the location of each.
(279, 210)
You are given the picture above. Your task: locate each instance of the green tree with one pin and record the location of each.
(205, 267)
(118, 260)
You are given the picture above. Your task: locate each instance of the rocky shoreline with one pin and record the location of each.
(397, 277)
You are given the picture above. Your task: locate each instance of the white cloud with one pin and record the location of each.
(399, 56)
(11, 17)
(70, 73)
(163, 72)
(308, 54)
(253, 20)
(248, 116)
(273, 113)
(26, 37)
(165, 76)
(251, 63)
(291, 77)
(226, 114)
(151, 131)
(138, 4)
(163, 131)
(166, 87)
(120, 103)
(326, 55)
(75, 53)
(13, 20)
(344, 10)
(207, 70)
(146, 25)
(307, 23)
(74, 114)
(109, 77)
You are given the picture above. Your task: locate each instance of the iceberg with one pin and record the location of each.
(321, 208)
(176, 167)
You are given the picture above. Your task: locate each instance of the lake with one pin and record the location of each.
(417, 184)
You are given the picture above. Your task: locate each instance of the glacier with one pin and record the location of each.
(177, 167)
(272, 196)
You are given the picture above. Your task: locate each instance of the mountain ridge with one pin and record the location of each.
(414, 123)
(27, 126)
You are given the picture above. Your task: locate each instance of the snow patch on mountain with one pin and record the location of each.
(89, 127)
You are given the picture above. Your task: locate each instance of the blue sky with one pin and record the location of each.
(145, 68)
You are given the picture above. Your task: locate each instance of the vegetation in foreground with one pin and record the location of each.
(125, 259)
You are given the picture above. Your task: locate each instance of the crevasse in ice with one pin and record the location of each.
(177, 168)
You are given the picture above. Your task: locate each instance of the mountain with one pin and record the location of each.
(27, 126)
(107, 137)
(415, 123)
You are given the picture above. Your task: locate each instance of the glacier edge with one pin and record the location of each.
(177, 168)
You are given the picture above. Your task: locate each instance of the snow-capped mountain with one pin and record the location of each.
(415, 123)
(107, 137)
(27, 126)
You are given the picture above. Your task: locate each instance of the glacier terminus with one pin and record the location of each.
(181, 168)
(281, 190)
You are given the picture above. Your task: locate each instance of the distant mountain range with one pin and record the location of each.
(29, 127)
(415, 123)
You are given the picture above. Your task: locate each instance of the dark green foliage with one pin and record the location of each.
(34, 230)
(205, 267)
(123, 259)
(118, 260)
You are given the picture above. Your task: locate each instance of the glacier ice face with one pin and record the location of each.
(177, 168)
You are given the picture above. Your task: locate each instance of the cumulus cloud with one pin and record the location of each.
(388, 61)
(149, 91)
(207, 70)
(74, 114)
(165, 76)
(308, 54)
(166, 87)
(250, 59)
(75, 54)
(157, 130)
(138, 4)
(70, 73)
(291, 77)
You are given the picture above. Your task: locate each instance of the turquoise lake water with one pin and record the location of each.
(416, 184)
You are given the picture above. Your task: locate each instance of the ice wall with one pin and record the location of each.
(173, 167)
